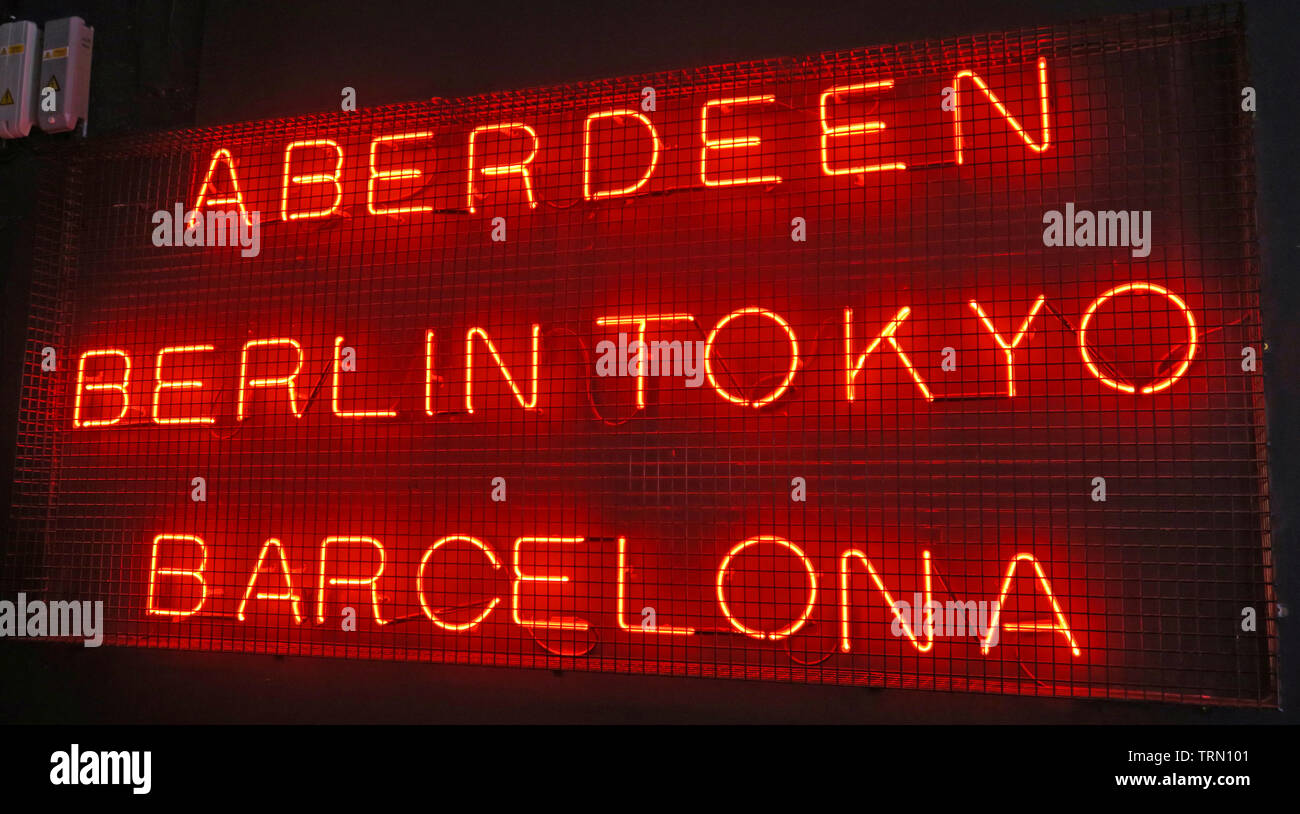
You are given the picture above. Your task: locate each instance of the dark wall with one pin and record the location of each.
(159, 65)
(144, 76)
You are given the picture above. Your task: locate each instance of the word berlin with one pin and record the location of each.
(273, 365)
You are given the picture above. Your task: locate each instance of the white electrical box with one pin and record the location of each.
(20, 50)
(63, 95)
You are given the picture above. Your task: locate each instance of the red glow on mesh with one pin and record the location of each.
(517, 168)
(1056, 625)
(852, 129)
(274, 381)
(334, 391)
(853, 367)
(662, 630)
(1008, 347)
(220, 156)
(189, 384)
(529, 403)
(797, 552)
(377, 175)
(429, 612)
(120, 388)
(1012, 122)
(587, 191)
(730, 143)
(312, 178)
(288, 595)
(195, 574)
(1123, 387)
(845, 605)
(642, 321)
(789, 376)
(372, 581)
(553, 622)
(668, 223)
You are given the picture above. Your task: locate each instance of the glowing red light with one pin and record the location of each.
(519, 168)
(641, 321)
(845, 605)
(191, 384)
(377, 175)
(853, 367)
(288, 595)
(731, 143)
(805, 237)
(662, 630)
(334, 391)
(119, 387)
(793, 627)
(195, 574)
(1056, 625)
(274, 381)
(554, 622)
(1008, 347)
(312, 178)
(372, 581)
(789, 376)
(587, 191)
(1152, 288)
(852, 129)
(529, 403)
(220, 156)
(1037, 146)
(419, 584)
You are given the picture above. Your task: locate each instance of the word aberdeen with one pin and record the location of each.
(622, 151)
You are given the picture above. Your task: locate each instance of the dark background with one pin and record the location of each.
(160, 65)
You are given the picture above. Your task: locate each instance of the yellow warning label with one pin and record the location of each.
(55, 53)
(7, 99)
(53, 83)
(16, 48)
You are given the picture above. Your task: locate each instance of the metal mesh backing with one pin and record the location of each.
(948, 448)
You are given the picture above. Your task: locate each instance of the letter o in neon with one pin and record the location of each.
(789, 629)
(1154, 289)
(789, 376)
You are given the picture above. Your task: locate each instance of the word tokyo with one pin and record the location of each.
(103, 388)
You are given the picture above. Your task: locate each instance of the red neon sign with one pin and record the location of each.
(526, 390)
(729, 153)
(765, 371)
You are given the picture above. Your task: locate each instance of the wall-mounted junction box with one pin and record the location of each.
(20, 50)
(64, 93)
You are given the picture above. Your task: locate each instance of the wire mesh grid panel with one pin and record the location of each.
(930, 365)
